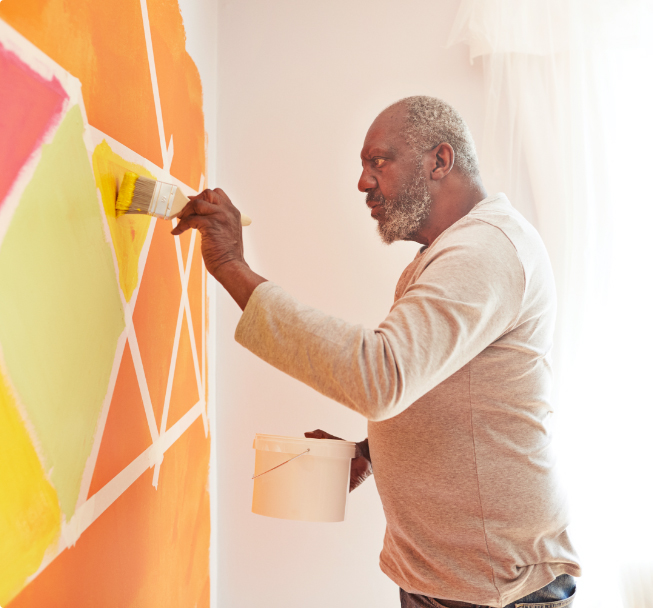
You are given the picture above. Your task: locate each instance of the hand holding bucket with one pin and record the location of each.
(361, 464)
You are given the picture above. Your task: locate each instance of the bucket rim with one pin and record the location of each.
(334, 448)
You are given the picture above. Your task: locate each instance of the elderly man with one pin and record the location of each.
(456, 381)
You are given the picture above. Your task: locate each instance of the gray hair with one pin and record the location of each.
(431, 121)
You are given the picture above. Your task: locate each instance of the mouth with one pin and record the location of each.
(375, 203)
(375, 206)
(376, 210)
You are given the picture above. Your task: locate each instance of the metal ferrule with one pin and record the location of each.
(162, 199)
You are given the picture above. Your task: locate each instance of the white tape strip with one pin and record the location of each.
(155, 85)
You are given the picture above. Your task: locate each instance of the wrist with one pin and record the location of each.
(228, 269)
(363, 449)
(238, 279)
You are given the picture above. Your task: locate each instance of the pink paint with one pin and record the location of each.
(29, 106)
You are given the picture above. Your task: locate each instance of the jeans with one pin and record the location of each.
(557, 594)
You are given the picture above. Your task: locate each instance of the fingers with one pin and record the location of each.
(205, 199)
(199, 206)
(320, 434)
(317, 434)
(190, 221)
(180, 229)
(214, 197)
(208, 203)
(196, 210)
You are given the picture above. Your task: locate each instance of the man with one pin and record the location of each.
(456, 381)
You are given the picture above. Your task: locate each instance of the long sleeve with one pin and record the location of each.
(465, 293)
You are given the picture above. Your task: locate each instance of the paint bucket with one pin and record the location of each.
(301, 479)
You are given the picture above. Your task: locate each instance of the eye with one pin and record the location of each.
(378, 162)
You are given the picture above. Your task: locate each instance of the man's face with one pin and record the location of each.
(393, 178)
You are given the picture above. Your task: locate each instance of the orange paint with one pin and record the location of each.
(180, 91)
(184, 385)
(207, 331)
(126, 434)
(155, 314)
(184, 242)
(102, 44)
(150, 548)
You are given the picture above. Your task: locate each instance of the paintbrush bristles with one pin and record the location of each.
(135, 194)
(142, 197)
(126, 193)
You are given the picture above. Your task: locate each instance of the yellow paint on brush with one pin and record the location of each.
(126, 193)
(29, 510)
(128, 232)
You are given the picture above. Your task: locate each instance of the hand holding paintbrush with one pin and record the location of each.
(220, 224)
(210, 212)
(144, 195)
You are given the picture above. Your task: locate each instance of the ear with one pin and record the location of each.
(439, 161)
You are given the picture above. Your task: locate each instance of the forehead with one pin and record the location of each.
(386, 132)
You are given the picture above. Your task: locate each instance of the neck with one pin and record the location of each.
(450, 203)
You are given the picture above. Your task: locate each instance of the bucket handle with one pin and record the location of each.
(280, 465)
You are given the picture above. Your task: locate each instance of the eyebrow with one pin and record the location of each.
(383, 151)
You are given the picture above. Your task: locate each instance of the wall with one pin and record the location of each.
(300, 82)
(105, 433)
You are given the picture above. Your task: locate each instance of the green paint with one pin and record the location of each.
(60, 308)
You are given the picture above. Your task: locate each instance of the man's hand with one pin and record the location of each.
(361, 465)
(212, 213)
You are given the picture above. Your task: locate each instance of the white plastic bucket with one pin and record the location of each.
(313, 486)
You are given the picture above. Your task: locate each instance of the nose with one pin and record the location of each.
(366, 181)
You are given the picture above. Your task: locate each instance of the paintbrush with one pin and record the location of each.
(144, 195)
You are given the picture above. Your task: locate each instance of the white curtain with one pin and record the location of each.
(568, 136)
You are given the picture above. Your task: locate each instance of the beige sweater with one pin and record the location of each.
(456, 385)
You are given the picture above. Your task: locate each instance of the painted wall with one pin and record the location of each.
(105, 433)
(300, 82)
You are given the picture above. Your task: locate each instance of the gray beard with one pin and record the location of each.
(406, 214)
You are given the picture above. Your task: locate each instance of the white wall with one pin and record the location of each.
(299, 83)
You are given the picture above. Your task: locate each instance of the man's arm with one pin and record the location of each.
(440, 324)
(465, 299)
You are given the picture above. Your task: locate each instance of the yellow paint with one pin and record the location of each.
(128, 232)
(29, 510)
(126, 193)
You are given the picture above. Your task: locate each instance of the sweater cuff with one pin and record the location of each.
(246, 332)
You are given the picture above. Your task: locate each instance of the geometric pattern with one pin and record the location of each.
(119, 561)
(139, 534)
(131, 444)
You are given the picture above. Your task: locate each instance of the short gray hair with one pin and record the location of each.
(431, 121)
